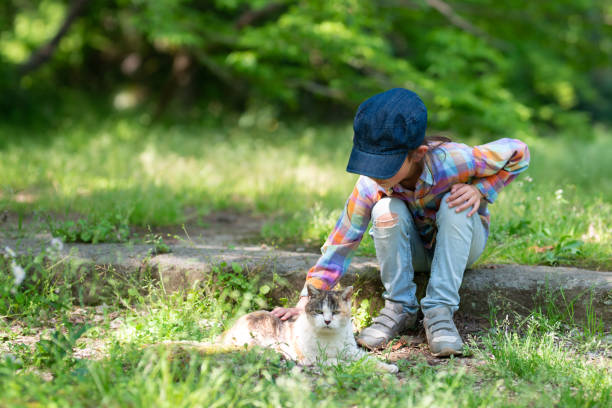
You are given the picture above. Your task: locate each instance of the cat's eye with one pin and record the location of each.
(318, 311)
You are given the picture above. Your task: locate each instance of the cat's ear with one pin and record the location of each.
(312, 291)
(347, 293)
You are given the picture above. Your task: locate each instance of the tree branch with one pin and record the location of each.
(318, 89)
(44, 53)
(447, 11)
(218, 70)
(251, 17)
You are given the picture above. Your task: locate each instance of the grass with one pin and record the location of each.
(104, 174)
(537, 361)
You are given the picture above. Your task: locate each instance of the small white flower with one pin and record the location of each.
(559, 194)
(57, 244)
(18, 273)
(538, 198)
(592, 235)
(528, 179)
(10, 252)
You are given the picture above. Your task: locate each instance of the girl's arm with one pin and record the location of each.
(341, 244)
(496, 164)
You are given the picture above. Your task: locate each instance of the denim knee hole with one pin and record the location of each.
(386, 220)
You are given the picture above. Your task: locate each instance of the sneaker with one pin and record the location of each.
(442, 335)
(390, 322)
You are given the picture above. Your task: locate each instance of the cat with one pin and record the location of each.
(323, 332)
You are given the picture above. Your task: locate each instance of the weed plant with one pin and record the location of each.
(111, 227)
(40, 295)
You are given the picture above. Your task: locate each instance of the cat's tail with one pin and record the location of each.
(201, 347)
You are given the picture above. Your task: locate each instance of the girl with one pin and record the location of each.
(421, 195)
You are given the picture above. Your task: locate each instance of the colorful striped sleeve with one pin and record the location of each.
(341, 244)
(497, 163)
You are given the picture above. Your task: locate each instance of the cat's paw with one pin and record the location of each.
(390, 368)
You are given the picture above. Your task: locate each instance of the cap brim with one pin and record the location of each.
(380, 166)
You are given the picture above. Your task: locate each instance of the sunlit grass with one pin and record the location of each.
(531, 363)
(558, 212)
(155, 173)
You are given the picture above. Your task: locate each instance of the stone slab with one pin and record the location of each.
(577, 292)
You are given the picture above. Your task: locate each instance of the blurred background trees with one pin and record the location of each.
(483, 67)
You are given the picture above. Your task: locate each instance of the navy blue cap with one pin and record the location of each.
(387, 126)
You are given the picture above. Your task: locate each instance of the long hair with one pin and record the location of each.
(433, 142)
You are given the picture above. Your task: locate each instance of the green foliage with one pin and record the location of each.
(309, 227)
(565, 249)
(534, 352)
(238, 288)
(482, 67)
(111, 227)
(159, 246)
(362, 314)
(41, 295)
(57, 348)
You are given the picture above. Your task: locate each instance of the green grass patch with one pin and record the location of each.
(96, 177)
(535, 361)
(39, 293)
(110, 227)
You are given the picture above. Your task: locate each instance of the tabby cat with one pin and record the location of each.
(323, 332)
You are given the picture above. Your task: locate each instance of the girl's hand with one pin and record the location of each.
(464, 196)
(285, 313)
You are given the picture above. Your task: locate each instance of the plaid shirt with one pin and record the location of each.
(489, 167)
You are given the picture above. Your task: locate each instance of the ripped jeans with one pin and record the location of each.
(460, 240)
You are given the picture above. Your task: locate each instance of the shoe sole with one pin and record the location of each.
(371, 348)
(447, 353)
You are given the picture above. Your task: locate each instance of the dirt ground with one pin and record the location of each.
(223, 228)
